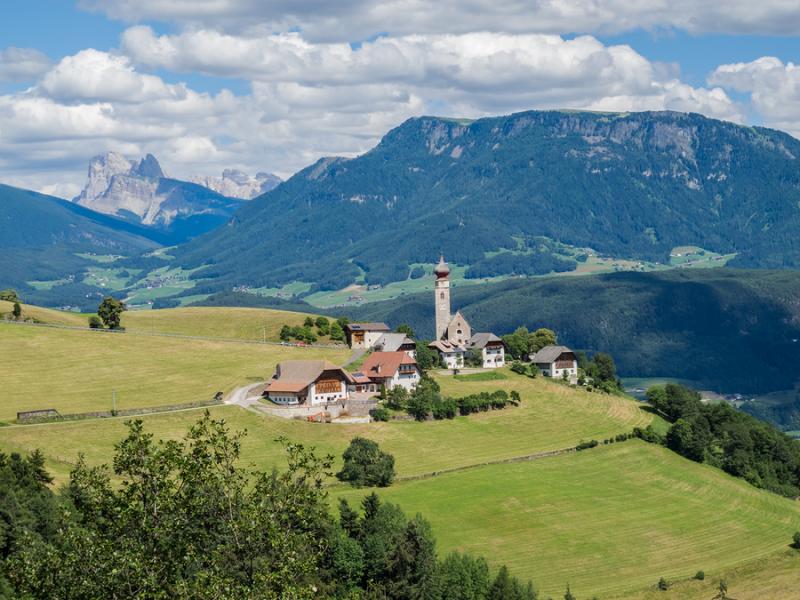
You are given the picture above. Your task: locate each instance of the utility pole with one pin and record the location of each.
(113, 402)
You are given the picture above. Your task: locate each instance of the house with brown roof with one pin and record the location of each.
(555, 361)
(451, 354)
(392, 369)
(308, 382)
(491, 347)
(364, 335)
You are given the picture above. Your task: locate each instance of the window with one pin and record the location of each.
(441, 296)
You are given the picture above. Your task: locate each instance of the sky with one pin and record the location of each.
(273, 85)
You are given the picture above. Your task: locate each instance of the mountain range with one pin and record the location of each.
(488, 192)
(140, 192)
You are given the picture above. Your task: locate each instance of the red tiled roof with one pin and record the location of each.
(385, 364)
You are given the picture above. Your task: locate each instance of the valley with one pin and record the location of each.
(593, 519)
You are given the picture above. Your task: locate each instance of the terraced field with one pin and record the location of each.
(551, 417)
(607, 521)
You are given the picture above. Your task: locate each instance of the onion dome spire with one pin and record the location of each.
(442, 269)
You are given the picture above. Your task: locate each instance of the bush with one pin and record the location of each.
(700, 575)
(95, 322)
(366, 465)
(519, 367)
(587, 445)
(796, 540)
(380, 414)
(663, 584)
(444, 409)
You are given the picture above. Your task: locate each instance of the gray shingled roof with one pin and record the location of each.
(479, 340)
(549, 354)
(392, 342)
(367, 327)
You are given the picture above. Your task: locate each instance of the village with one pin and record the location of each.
(319, 389)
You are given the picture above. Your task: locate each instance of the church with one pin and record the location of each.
(454, 337)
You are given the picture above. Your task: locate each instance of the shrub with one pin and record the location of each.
(444, 409)
(366, 465)
(380, 414)
(700, 575)
(796, 540)
(587, 445)
(519, 368)
(663, 584)
(95, 322)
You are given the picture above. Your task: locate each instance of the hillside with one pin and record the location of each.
(517, 194)
(43, 238)
(728, 330)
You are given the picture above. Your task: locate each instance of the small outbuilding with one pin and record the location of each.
(364, 335)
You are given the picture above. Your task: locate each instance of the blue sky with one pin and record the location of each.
(275, 85)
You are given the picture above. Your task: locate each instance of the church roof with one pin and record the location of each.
(442, 269)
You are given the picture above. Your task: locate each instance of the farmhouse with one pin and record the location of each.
(555, 361)
(392, 369)
(453, 332)
(364, 335)
(491, 348)
(452, 355)
(308, 382)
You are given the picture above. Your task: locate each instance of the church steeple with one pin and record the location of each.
(442, 297)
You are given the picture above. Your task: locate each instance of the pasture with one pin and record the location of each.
(78, 371)
(610, 520)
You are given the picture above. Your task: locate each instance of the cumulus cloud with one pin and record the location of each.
(311, 99)
(22, 64)
(773, 86)
(347, 20)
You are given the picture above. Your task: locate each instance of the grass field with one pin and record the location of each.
(77, 371)
(47, 315)
(606, 521)
(231, 323)
(551, 417)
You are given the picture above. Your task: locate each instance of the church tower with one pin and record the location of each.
(442, 298)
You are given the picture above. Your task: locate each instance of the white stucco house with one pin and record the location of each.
(364, 335)
(451, 354)
(308, 382)
(493, 351)
(554, 361)
(392, 369)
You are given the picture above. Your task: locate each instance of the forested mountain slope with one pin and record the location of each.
(629, 185)
(730, 330)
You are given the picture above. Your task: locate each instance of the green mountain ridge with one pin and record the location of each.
(632, 185)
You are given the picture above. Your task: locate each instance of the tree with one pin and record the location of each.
(796, 540)
(17, 311)
(568, 595)
(336, 332)
(517, 343)
(95, 322)
(308, 322)
(423, 398)
(323, 325)
(663, 584)
(286, 333)
(397, 398)
(366, 465)
(540, 338)
(603, 368)
(722, 591)
(474, 357)
(182, 520)
(427, 358)
(406, 328)
(110, 311)
(462, 577)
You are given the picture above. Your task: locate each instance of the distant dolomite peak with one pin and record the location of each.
(237, 184)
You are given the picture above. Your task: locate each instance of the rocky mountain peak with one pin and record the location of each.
(238, 184)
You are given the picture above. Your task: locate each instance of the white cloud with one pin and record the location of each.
(347, 20)
(774, 89)
(309, 99)
(22, 64)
